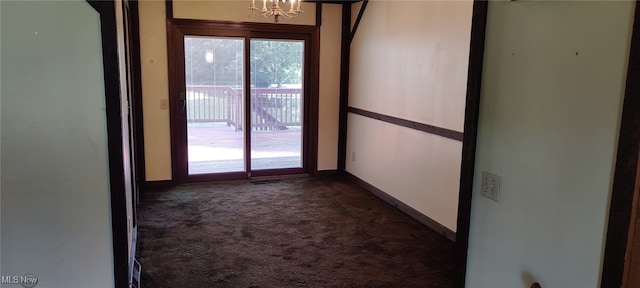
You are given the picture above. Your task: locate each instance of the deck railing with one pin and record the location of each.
(271, 108)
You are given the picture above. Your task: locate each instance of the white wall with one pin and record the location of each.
(234, 10)
(329, 94)
(552, 87)
(155, 86)
(417, 168)
(55, 189)
(155, 76)
(409, 60)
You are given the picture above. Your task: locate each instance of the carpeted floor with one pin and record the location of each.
(307, 232)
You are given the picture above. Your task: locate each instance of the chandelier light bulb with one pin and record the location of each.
(273, 9)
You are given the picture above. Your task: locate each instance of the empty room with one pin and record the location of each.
(319, 143)
(379, 107)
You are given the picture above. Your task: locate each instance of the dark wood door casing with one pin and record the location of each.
(177, 29)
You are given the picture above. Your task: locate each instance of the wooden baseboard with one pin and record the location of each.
(413, 213)
(157, 186)
(327, 173)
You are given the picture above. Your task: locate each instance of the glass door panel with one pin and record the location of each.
(276, 103)
(214, 104)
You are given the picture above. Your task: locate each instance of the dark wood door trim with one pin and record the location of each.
(178, 131)
(204, 25)
(632, 256)
(178, 28)
(472, 109)
(347, 35)
(625, 170)
(113, 102)
(136, 86)
(318, 14)
(168, 9)
(343, 113)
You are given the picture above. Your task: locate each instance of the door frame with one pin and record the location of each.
(177, 29)
(627, 160)
(633, 236)
(625, 170)
(470, 135)
(133, 50)
(115, 145)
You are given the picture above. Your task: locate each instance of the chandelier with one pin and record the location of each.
(273, 9)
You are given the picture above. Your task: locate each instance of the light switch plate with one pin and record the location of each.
(490, 186)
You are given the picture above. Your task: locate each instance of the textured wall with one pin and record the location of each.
(56, 217)
(552, 88)
(409, 60)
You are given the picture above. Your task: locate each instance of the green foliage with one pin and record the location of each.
(276, 62)
(273, 62)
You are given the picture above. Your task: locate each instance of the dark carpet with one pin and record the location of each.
(307, 232)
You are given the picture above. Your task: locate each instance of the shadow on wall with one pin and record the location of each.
(528, 279)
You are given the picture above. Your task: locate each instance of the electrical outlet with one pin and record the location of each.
(490, 186)
(164, 104)
(353, 156)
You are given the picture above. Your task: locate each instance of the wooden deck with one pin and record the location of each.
(217, 148)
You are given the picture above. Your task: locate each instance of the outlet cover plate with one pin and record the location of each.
(490, 186)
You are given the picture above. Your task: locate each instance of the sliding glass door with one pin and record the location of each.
(276, 103)
(214, 104)
(219, 131)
